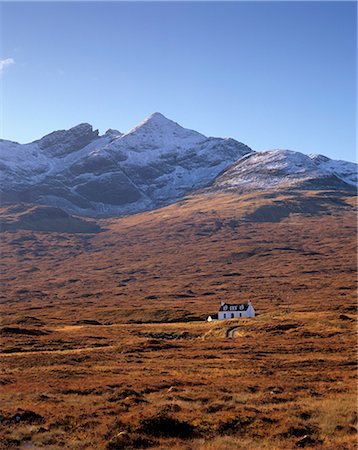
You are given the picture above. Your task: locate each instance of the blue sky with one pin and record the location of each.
(270, 74)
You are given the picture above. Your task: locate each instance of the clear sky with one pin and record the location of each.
(270, 74)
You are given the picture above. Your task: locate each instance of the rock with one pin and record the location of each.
(83, 173)
(173, 389)
(27, 417)
(154, 164)
(63, 142)
(306, 440)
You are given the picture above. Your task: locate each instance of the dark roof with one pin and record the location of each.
(226, 307)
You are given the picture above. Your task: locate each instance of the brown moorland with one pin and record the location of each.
(105, 343)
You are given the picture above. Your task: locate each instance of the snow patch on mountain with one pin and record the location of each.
(152, 164)
(345, 170)
(284, 169)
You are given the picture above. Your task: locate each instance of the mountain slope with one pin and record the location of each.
(44, 218)
(154, 163)
(77, 325)
(192, 254)
(285, 169)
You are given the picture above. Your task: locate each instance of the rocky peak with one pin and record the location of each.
(157, 117)
(158, 131)
(113, 133)
(63, 142)
(155, 122)
(318, 159)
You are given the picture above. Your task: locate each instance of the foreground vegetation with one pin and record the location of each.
(285, 380)
(105, 344)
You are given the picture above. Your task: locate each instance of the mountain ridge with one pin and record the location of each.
(151, 165)
(286, 169)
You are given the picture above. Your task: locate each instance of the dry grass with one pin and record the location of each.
(103, 346)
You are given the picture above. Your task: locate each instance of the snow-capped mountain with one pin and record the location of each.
(154, 163)
(284, 169)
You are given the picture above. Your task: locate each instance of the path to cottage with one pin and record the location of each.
(231, 331)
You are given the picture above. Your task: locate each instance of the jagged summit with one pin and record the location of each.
(162, 131)
(113, 133)
(81, 128)
(61, 142)
(157, 119)
(153, 164)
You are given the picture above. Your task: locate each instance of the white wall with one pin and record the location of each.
(250, 311)
(225, 315)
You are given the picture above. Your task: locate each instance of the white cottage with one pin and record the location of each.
(228, 311)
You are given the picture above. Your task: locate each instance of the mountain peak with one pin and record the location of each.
(157, 116)
(155, 120)
(159, 128)
(62, 142)
(153, 164)
(111, 132)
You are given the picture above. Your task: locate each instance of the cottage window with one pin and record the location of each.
(224, 316)
(232, 315)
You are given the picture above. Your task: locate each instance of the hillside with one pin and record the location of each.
(274, 248)
(105, 343)
(104, 332)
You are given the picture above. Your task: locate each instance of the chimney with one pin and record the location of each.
(222, 303)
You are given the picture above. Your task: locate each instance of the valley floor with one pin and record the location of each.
(285, 380)
(105, 343)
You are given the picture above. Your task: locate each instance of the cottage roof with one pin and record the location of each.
(226, 307)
